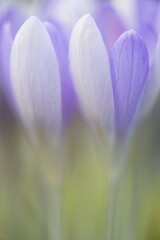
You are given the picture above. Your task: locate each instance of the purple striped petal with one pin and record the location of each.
(35, 78)
(129, 68)
(91, 72)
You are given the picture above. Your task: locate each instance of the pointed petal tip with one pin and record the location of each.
(87, 16)
(85, 24)
(32, 21)
(32, 24)
(130, 33)
(86, 19)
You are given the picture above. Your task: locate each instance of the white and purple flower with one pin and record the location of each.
(49, 72)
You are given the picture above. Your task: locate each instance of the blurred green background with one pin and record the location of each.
(79, 190)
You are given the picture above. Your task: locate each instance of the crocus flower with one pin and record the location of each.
(109, 80)
(47, 67)
(35, 77)
(29, 92)
(143, 16)
(109, 87)
(55, 76)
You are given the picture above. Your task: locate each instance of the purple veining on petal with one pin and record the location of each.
(109, 23)
(60, 44)
(129, 68)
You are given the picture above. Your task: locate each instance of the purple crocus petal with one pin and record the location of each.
(152, 87)
(147, 13)
(129, 68)
(6, 40)
(91, 72)
(9, 24)
(110, 24)
(60, 44)
(35, 78)
(150, 36)
(157, 22)
(14, 17)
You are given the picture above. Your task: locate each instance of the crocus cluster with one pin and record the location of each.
(46, 74)
(82, 79)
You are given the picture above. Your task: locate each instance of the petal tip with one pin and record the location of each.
(131, 34)
(32, 21)
(86, 19)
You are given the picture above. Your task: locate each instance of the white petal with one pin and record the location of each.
(91, 72)
(35, 77)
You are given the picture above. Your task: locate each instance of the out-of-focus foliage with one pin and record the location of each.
(75, 192)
